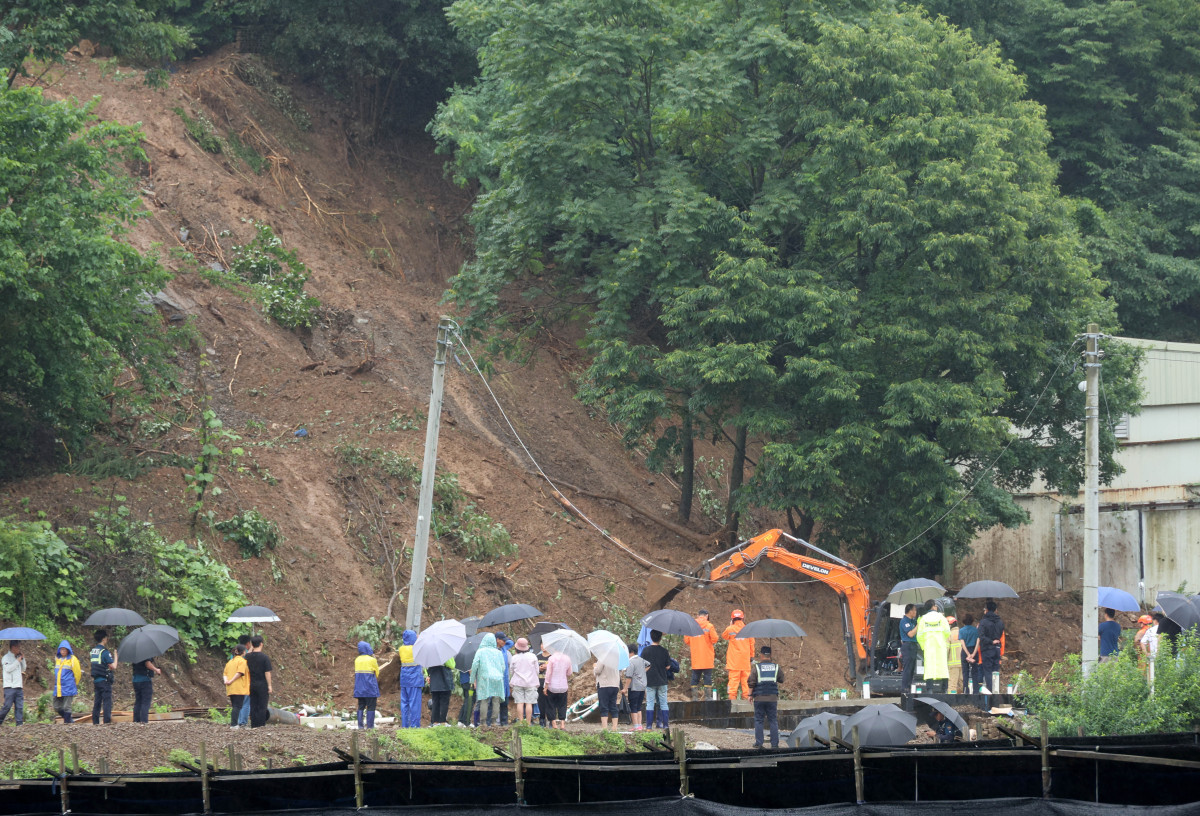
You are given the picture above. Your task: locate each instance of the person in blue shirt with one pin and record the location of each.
(1110, 635)
(908, 646)
(968, 647)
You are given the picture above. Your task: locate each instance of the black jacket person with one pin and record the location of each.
(764, 680)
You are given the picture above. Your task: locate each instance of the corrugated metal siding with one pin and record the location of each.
(1169, 373)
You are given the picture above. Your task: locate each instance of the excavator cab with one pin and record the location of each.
(885, 671)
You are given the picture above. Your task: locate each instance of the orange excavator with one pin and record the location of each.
(863, 624)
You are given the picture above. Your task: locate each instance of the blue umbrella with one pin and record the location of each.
(1118, 599)
(21, 633)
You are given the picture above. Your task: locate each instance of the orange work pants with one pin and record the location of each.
(738, 677)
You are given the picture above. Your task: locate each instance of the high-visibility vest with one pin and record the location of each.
(766, 676)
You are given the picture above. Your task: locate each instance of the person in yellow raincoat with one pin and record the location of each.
(952, 656)
(67, 676)
(933, 635)
(738, 656)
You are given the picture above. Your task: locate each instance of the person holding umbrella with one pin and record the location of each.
(738, 656)
(703, 656)
(102, 664)
(67, 677)
(1110, 636)
(366, 683)
(14, 669)
(258, 666)
(143, 688)
(933, 635)
(991, 633)
(658, 663)
(765, 677)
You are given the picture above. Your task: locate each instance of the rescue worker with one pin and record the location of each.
(67, 677)
(703, 656)
(952, 655)
(765, 677)
(908, 647)
(933, 635)
(1144, 624)
(738, 656)
(412, 680)
(366, 684)
(991, 634)
(102, 664)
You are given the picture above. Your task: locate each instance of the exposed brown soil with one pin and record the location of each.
(381, 228)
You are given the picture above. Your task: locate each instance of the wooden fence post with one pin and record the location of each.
(62, 781)
(1045, 746)
(858, 768)
(679, 742)
(204, 791)
(518, 766)
(358, 783)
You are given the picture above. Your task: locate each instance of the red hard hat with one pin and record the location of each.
(737, 614)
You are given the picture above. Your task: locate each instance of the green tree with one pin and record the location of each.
(45, 29)
(72, 310)
(840, 240)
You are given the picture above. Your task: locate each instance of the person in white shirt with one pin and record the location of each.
(14, 669)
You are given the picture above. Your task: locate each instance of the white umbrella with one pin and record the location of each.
(570, 643)
(440, 642)
(608, 648)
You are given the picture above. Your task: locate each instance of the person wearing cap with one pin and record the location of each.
(765, 677)
(703, 656)
(908, 647)
(738, 656)
(933, 635)
(523, 680)
(1144, 622)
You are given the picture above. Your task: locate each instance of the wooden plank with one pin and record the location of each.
(1133, 758)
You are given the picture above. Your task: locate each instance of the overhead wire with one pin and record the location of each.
(692, 578)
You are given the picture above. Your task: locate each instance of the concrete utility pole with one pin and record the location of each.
(1091, 500)
(416, 583)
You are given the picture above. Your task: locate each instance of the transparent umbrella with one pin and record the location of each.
(570, 643)
(608, 648)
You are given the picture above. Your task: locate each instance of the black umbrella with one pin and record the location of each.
(916, 591)
(252, 614)
(471, 624)
(884, 724)
(508, 614)
(115, 616)
(147, 642)
(672, 622)
(949, 713)
(1179, 608)
(987, 589)
(542, 628)
(819, 724)
(466, 655)
(770, 628)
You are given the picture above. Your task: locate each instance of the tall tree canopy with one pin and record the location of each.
(1120, 80)
(71, 292)
(840, 240)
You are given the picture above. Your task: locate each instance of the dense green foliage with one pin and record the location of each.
(71, 292)
(277, 277)
(39, 574)
(45, 29)
(251, 531)
(1116, 698)
(1121, 86)
(840, 239)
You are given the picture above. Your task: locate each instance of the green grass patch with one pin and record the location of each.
(436, 745)
(37, 767)
(536, 741)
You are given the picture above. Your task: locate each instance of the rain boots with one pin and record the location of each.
(708, 693)
(664, 718)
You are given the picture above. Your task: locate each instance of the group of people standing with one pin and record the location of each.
(703, 655)
(248, 685)
(942, 643)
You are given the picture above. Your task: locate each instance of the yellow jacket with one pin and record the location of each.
(70, 663)
(242, 684)
(933, 633)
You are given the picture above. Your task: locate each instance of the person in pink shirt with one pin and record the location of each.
(558, 670)
(524, 684)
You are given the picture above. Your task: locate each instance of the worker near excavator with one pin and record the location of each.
(703, 656)
(933, 635)
(738, 656)
(765, 677)
(908, 647)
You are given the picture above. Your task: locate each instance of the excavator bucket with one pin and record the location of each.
(661, 589)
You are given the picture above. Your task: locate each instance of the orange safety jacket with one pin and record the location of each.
(740, 652)
(704, 655)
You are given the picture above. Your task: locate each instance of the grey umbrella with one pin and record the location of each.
(1179, 608)
(949, 713)
(466, 655)
(882, 725)
(471, 624)
(672, 622)
(770, 628)
(252, 614)
(916, 591)
(115, 616)
(147, 642)
(508, 614)
(819, 724)
(539, 629)
(987, 589)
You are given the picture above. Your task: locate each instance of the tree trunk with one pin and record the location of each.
(736, 474)
(804, 529)
(687, 460)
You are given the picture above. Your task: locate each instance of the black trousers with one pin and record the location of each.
(235, 707)
(908, 664)
(260, 698)
(766, 712)
(142, 693)
(102, 705)
(465, 714)
(439, 706)
(989, 656)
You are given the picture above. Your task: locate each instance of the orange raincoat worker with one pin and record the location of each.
(704, 656)
(738, 656)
